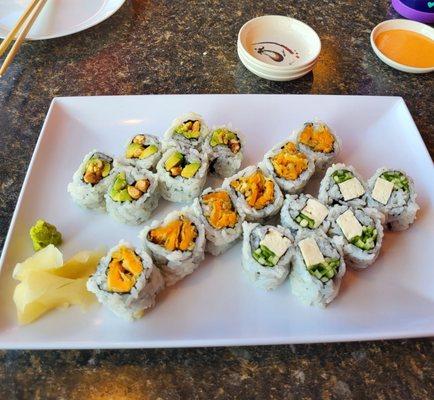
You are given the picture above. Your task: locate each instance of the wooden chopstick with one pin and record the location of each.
(33, 9)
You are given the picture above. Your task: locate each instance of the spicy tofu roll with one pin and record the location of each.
(317, 140)
(133, 195)
(362, 232)
(222, 221)
(342, 184)
(142, 151)
(267, 253)
(303, 213)
(91, 180)
(126, 281)
(392, 192)
(188, 131)
(176, 244)
(318, 267)
(290, 167)
(224, 147)
(181, 174)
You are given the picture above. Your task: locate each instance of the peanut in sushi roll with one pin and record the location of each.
(255, 193)
(290, 167)
(267, 253)
(126, 281)
(222, 221)
(176, 244)
(133, 195)
(142, 151)
(392, 192)
(91, 180)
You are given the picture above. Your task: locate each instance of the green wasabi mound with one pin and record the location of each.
(43, 234)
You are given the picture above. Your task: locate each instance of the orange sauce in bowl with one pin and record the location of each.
(406, 47)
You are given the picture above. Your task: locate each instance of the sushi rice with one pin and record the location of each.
(142, 151)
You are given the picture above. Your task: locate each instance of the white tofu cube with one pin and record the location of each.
(351, 189)
(382, 190)
(349, 225)
(316, 211)
(310, 251)
(275, 242)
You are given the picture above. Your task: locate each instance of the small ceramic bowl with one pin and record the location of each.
(406, 25)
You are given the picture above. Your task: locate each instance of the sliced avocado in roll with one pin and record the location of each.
(174, 160)
(189, 129)
(190, 170)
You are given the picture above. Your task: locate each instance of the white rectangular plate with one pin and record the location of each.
(217, 305)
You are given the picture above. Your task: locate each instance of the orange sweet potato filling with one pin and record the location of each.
(176, 235)
(123, 270)
(318, 139)
(256, 188)
(222, 213)
(289, 163)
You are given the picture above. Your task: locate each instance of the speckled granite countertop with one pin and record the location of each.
(154, 47)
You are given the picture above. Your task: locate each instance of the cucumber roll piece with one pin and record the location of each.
(181, 174)
(267, 253)
(91, 180)
(362, 233)
(126, 281)
(142, 151)
(290, 167)
(318, 267)
(133, 195)
(222, 221)
(176, 244)
(342, 184)
(392, 192)
(255, 193)
(225, 147)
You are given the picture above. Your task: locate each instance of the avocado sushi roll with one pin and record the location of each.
(318, 140)
(188, 131)
(342, 184)
(267, 253)
(222, 221)
(176, 244)
(126, 281)
(392, 192)
(132, 196)
(224, 147)
(143, 151)
(290, 167)
(318, 267)
(181, 174)
(362, 233)
(91, 180)
(303, 213)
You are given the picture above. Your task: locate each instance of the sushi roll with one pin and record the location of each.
(142, 151)
(362, 233)
(188, 131)
(176, 244)
(181, 174)
(267, 253)
(132, 196)
(224, 147)
(222, 222)
(91, 180)
(342, 184)
(126, 281)
(303, 213)
(318, 267)
(290, 167)
(318, 140)
(392, 192)
(255, 194)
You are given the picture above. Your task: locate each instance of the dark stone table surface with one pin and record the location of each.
(156, 46)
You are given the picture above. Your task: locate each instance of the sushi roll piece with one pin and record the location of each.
(181, 174)
(255, 193)
(318, 140)
(126, 281)
(142, 151)
(342, 184)
(224, 147)
(91, 180)
(303, 213)
(362, 233)
(318, 267)
(290, 167)
(392, 192)
(132, 196)
(176, 244)
(188, 131)
(267, 253)
(222, 221)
